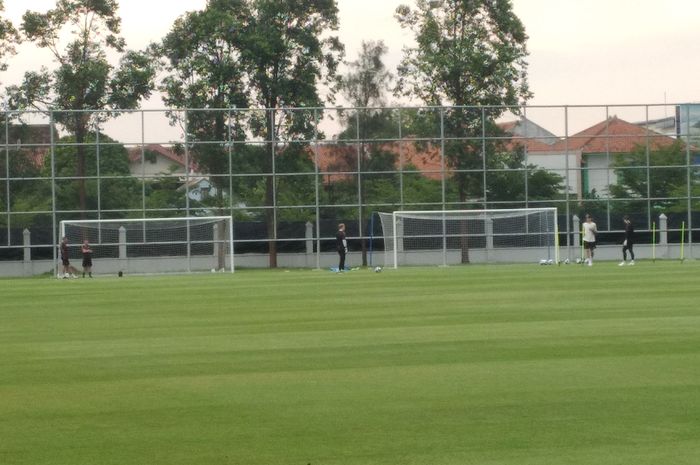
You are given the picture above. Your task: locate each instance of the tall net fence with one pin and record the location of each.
(287, 191)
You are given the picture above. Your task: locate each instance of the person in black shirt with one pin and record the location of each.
(628, 244)
(65, 260)
(341, 245)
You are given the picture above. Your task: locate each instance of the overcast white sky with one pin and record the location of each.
(581, 52)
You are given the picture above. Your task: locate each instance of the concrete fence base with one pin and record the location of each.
(158, 265)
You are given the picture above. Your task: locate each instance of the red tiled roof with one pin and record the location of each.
(135, 153)
(531, 145)
(613, 135)
(341, 160)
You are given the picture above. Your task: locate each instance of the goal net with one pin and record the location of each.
(451, 237)
(153, 245)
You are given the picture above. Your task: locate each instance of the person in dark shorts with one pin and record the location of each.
(589, 232)
(341, 245)
(65, 260)
(87, 258)
(628, 243)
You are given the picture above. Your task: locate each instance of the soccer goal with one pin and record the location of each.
(451, 237)
(154, 245)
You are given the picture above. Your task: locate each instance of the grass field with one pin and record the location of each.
(467, 365)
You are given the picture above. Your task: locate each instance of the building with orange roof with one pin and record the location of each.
(155, 160)
(588, 155)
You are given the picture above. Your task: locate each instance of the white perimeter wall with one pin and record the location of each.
(111, 267)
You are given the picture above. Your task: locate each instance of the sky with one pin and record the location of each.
(592, 52)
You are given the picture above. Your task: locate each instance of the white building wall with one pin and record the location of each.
(148, 169)
(557, 163)
(600, 175)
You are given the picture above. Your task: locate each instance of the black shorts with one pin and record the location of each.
(65, 261)
(588, 245)
(87, 262)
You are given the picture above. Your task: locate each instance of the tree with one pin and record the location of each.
(274, 53)
(202, 54)
(287, 55)
(163, 194)
(84, 79)
(506, 179)
(365, 85)
(113, 190)
(664, 180)
(19, 163)
(470, 54)
(8, 38)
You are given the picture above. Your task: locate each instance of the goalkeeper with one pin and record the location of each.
(341, 245)
(628, 244)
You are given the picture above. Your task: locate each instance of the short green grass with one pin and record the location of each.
(520, 364)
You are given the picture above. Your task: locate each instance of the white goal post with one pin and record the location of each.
(450, 237)
(153, 245)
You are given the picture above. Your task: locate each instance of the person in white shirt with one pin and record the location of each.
(589, 232)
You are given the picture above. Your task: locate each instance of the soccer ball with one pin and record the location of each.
(213, 270)
(378, 269)
(543, 262)
(578, 261)
(566, 262)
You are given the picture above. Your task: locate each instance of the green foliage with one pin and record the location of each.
(117, 190)
(367, 80)
(469, 52)
(115, 194)
(201, 56)
(163, 195)
(247, 54)
(84, 79)
(506, 179)
(9, 37)
(264, 54)
(664, 181)
(419, 189)
(21, 164)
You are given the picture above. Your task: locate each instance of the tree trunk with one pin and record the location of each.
(362, 196)
(270, 221)
(80, 169)
(269, 193)
(463, 227)
(362, 227)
